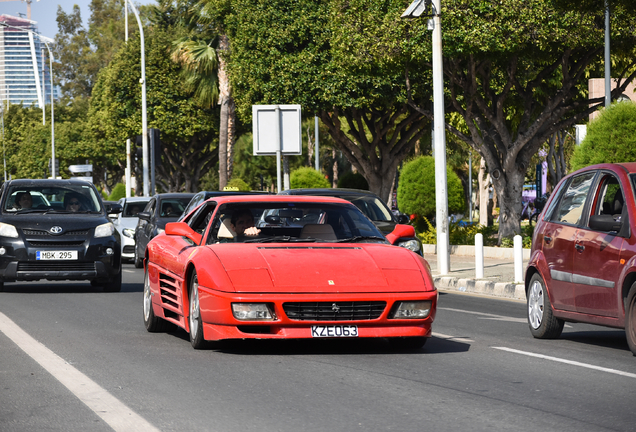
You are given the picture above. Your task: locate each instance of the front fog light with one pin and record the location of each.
(413, 310)
(412, 245)
(252, 312)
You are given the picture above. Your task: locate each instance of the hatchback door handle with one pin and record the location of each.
(579, 247)
(547, 239)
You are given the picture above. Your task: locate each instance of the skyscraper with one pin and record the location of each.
(24, 76)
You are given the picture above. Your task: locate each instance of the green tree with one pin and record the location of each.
(79, 53)
(307, 178)
(515, 71)
(610, 137)
(284, 51)
(416, 191)
(188, 132)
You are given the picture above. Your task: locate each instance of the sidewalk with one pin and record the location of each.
(498, 277)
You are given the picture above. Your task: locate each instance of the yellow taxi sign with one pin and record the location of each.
(231, 188)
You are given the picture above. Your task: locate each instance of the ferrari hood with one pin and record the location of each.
(321, 268)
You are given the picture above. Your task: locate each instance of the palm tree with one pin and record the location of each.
(205, 72)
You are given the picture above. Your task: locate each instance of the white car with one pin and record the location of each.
(126, 221)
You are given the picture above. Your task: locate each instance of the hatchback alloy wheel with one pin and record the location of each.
(535, 305)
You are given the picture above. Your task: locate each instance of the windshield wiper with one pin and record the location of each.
(356, 238)
(280, 239)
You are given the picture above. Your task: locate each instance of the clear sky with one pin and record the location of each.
(45, 12)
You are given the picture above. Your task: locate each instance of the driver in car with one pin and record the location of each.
(242, 223)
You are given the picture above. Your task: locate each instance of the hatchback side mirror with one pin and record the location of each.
(605, 223)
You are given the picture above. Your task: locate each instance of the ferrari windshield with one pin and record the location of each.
(267, 222)
(74, 198)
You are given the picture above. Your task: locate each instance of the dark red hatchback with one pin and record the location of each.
(583, 262)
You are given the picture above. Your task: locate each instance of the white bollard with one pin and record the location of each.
(479, 256)
(518, 254)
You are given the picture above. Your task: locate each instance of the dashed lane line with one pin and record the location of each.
(570, 362)
(117, 415)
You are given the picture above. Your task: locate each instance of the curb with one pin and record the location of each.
(489, 251)
(495, 289)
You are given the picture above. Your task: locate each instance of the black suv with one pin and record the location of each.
(58, 230)
(373, 207)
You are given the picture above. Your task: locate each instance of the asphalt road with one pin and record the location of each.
(482, 371)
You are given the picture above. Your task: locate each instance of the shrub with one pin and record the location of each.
(416, 189)
(610, 137)
(307, 178)
(465, 235)
(461, 235)
(353, 181)
(239, 183)
(119, 191)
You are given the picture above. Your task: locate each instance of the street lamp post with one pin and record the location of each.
(144, 119)
(439, 132)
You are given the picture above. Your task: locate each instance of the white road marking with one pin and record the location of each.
(492, 316)
(451, 338)
(117, 415)
(487, 315)
(570, 362)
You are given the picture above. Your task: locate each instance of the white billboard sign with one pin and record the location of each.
(277, 127)
(80, 168)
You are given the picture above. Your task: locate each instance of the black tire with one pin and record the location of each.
(113, 285)
(138, 261)
(407, 343)
(630, 319)
(541, 320)
(153, 323)
(194, 315)
(1, 286)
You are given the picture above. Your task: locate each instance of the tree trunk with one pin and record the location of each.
(393, 132)
(334, 183)
(227, 106)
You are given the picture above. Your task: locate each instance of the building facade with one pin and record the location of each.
(24, 63)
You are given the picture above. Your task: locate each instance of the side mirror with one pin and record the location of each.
(605, 223)
(403, 219)
(400, 231)
(113, 209)
(144, 216)
(183, 229)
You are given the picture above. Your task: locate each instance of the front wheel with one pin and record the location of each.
(139, 262)
(542, 322)
(195, 321)
(630, 319)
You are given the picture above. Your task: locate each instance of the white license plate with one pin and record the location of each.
(334, 331)
(56, 255)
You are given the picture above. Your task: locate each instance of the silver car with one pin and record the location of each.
(125, 223)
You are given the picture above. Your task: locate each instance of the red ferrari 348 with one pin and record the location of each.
(294, 267)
